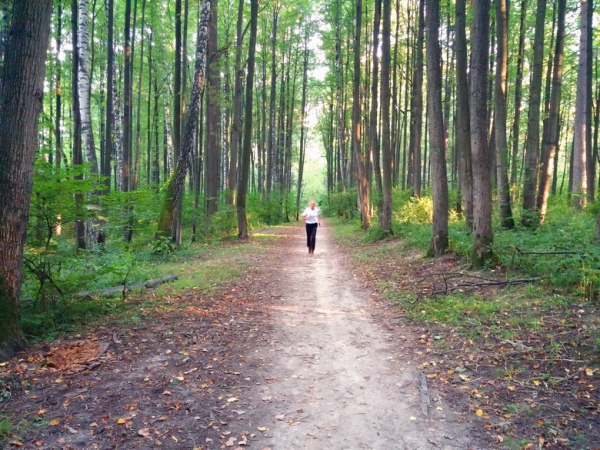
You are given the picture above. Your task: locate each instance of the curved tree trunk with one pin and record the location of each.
(21, 92)
(176, 184)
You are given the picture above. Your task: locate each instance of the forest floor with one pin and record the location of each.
(300, 352)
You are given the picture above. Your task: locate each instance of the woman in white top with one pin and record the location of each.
(312, 217)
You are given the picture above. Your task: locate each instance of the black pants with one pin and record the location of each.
(311, 235)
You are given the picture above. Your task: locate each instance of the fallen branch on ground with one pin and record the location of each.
(486, 283)
(123, 288)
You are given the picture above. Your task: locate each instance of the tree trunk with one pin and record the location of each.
(550, 144)
(482, 185)
(439, 237)
(236, 124)
(416, 116)
(212, 149)
(386, 148)
(373, 122)
(463, 121)
(83, 86)
(21, 92)
(514, 170)
(533, 123)
(363, 189)
(110, 81)
(175, 186)
(138, 130)
(242, 187)
(580, 150)
(272, 144)
(504, 206)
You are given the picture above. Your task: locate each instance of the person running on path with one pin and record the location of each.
(312, 217)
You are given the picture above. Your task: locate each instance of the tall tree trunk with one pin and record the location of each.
(127, 70)
(592, 153)
(272, 144)
(58, 118)
(386, 148)
(138, 128)
(236, 124)
(302, 152)
(110, 81)
(242, 187)
(580, 150)
(363, 189)
(176, 183)
(83, 86)
(482, 186)
(76, 119)
(437, 139)
(533, 124)
(175, 133)
(373, 122)
(21, 92)
(416, 115)
(514, 170)
(550, 144)
(213, 122)
(503, 187)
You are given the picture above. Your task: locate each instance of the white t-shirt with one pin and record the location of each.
(312, 215)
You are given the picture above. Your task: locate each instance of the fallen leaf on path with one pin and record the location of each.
(231, 442)
(263, 429)
(413, 418)
(479, 413)
(280, 416)
(54, 422)
(144, 432)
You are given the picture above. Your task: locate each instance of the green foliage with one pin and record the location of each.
(163, 246)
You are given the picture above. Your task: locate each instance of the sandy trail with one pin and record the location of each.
(333, 378)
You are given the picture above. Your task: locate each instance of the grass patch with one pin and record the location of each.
(201, 269)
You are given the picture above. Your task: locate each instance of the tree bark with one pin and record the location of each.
(504, 206)
(386, 148)
(363, 188)
(416, 115)
(242, 187)
(236, 124)
(463, 122)
(373, 123)
(514, 170)
(212, 149)
(175, 186)
(533, 124)
(580, 147)
(21, 93)
(437, 138)
(272, 144)
(550, 144)
(482, 185)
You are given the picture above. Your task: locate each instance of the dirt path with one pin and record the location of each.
(335, 378)
(295, 355)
